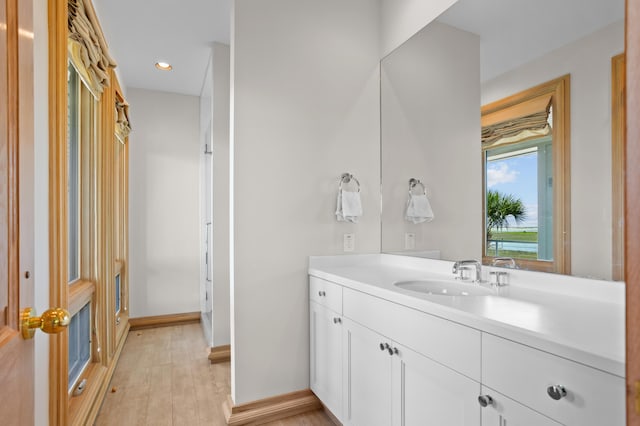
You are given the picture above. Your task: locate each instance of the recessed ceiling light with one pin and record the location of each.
(164, 66)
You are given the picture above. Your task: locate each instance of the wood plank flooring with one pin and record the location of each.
(165, 378)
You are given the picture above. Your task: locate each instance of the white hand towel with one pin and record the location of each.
(349, 207)
(418, 209)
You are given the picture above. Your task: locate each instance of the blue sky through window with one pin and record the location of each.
(517, 175)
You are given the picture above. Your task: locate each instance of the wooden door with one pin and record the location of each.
(16, 209)
(428, 393)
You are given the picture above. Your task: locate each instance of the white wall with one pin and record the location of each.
(163, 203)
(400, 19)
(430, 126)
(305, 108)
(589, 62)
(220, 137)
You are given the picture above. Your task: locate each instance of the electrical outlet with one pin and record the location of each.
(409, 241)
(348, 242)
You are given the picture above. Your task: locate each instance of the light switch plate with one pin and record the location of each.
(348, 242)
(409, 241)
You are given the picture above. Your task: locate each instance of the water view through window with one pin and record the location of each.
(519, 200)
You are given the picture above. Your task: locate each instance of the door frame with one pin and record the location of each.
(58, 348)
(632, 219)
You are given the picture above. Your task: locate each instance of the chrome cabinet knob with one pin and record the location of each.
(556, 392)
(392, 351)
(384, 346)
(322, 293)
(485, 400)
(337, 320)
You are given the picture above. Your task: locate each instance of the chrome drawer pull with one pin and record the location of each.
(485, 400)
(322, 293)
(556, 392)
(337, 320)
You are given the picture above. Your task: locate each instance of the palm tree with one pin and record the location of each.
(500, 207)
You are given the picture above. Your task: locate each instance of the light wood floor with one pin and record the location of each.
(164, 378)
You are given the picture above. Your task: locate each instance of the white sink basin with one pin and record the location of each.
(444, 288)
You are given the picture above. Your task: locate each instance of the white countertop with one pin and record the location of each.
(583, 321)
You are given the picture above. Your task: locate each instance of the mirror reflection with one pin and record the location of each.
(508, 169)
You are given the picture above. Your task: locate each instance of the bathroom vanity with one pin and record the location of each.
(398, 341)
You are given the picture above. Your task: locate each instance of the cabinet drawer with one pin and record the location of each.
(326, 294)
(524, 374)
(451, 344)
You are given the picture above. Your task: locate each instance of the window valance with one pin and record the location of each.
(123, 127)
(88, 49)
(526, 120)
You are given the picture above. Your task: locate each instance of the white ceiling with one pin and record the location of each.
(142, 32)
(513, 32)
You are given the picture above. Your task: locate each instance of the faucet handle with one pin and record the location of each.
(461, 272)
(509, 262)
(500, 278)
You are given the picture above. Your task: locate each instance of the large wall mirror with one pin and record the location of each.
(441, 92)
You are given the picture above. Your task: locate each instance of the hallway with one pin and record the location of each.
(164, 378)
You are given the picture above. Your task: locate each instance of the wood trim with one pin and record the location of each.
(90, 411)
(632, 220)
(560, 91)
(270, 409)
(526, 264)
(11, 151)
(220, 354)
(6, 104)
(164, 320)
(105, 214)
(618, 125)
(80, 293)
(79, 406)
(58, 368)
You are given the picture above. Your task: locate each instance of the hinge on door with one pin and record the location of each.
(637, 396)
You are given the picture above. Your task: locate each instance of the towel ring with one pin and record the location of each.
(346, 178)
(413, 182)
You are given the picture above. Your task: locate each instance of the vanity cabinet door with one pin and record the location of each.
(326, 357)
(367, 377)
(428, 393)
(504, 411)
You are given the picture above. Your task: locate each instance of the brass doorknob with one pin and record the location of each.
(52, 321)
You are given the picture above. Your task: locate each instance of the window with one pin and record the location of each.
(525, 154)
(81, 232)
(118, 294)
(79, 343)
(519, 197)
(73, 179)
(85, 197)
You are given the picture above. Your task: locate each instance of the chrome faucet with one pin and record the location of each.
(461, 266)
